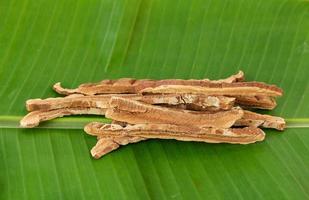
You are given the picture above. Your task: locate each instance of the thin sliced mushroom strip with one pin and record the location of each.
(229, 89)
(111, 136)
(72, 101)
(253, 119)
(135, 112)
(34, 118)
(128, 85)
(200, 102)
(260, 102)
(107, 144)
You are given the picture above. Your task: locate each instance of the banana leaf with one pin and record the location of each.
(77, 41)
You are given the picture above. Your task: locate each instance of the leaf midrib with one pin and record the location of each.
(11, 121)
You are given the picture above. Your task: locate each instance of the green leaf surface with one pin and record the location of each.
(44, 41)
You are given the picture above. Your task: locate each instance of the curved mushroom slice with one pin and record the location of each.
(229, 89)
(252, 119)
(135, 112)
(120, 86)
(239, 77)
(103, 146)
(34, 118)
(191, 101)
(128, 85)
(196, 102)
(74, 101)
(108, 144)
(261, 102)
(140, 132)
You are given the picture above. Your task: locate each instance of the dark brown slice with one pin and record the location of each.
(253, 119)
(118, 135)
(199, 102)
(128, 85)
(34, 118)
(135, 112)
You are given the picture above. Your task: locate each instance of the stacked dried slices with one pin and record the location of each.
(187, 110)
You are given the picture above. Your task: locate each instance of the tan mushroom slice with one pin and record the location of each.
(253, 119)
(103, 146)
(34, 118)
(73, 101)
(135, 112)
(239, 77)
(110, 136)
(194, 102)
(229, 89)
(261, 102)
(129, 85)
(108, 144)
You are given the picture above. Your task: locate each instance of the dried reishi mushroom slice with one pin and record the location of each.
(128, 85)
(135, 112)
(103, 146)
(33, 119)
(134, 133)
(168, 131)
(139, 132)
(196, 102)
(261, 102)
(239, 77)
(201, 102)
(88, 89)
(253, 119)
(74, 101)
(108, 144)
(229, 89)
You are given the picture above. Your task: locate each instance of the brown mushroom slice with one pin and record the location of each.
(260, 102)
(103, 146)
(108, 144)
(196, 102)
(135, 112)
(33, 119)
(121, 86)
(129, 85)
(139, 132)
(192, 101)
(229, 89)
(239, 77)
(252, 119)
(73, 101)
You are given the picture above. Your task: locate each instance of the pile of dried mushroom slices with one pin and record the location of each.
(204, 110)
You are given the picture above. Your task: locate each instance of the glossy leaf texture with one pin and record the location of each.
(44, 41)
